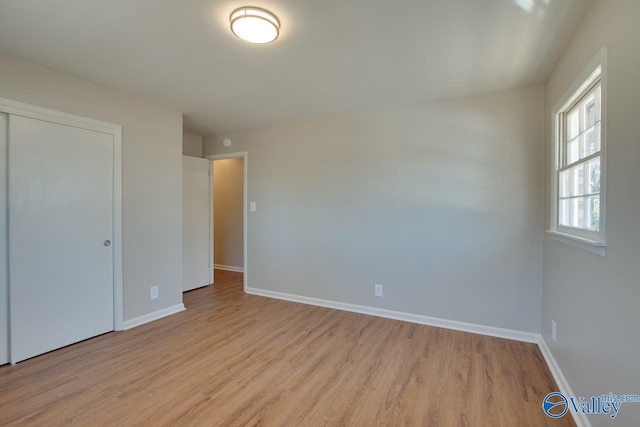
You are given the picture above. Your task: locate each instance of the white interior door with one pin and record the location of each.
(4, 307)
(60, 228)
(196, 224)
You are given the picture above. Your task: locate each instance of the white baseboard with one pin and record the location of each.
(511, 334)
(128, 324)
(228, 268)
(580, 419)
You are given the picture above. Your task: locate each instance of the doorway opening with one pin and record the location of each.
(229, 213)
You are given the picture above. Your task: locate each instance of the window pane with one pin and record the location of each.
(565, 183)
(581, 146)
(573, 151)
(573, 124)
(593, 218)
(594, 175)
(564, 212)
(592, 140)
(589, 108)
(577, 212)
(577, 180)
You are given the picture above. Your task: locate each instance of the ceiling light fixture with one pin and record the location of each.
(254, 25)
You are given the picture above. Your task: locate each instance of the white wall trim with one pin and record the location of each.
(228, 268)
(40, 113)
(589, 245)
(212, 246)
(150, 317)
(511, 334)
(33, 111)
(118, 275)
(580, 419)
(245, 190)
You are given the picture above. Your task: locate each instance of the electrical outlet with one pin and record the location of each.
(378, 290)
(553, 329)
(154, 292)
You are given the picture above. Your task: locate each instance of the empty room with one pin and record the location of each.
(320, 213)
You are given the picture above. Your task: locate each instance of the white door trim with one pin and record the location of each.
(245, 156)
(212, 266)
(31, 111)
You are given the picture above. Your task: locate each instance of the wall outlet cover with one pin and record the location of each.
(378, 290)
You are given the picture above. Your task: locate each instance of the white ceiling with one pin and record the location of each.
(333, 56)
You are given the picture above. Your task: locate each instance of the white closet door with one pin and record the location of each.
(60, 228)
(196, 227)
(4, 307)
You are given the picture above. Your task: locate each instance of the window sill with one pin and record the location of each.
(580, 242)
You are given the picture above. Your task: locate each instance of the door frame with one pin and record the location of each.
(40, 113)
(245, 174)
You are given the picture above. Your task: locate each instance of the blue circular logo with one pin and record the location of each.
(555, 405)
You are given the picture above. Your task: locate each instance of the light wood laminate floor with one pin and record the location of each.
(235, 359)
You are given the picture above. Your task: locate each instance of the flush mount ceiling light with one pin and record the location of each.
(254, 25)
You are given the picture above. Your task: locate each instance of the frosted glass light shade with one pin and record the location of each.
(254, 25)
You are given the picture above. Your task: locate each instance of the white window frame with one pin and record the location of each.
(587, 239)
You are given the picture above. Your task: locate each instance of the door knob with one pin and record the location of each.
(107, 242)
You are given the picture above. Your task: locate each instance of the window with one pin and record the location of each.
(579, 172)
(578, 208)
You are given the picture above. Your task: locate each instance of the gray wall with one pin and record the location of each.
(594, 299)
(191, 144)
(441, 203)
(228, 200)
(152, 174)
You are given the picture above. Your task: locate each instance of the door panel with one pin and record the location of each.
(196, 227)
(60, 215)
